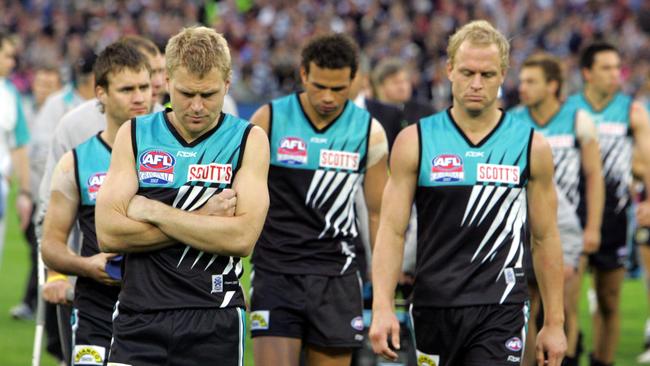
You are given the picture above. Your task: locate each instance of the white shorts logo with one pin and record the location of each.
(210, 173)
(339, 160)
(260, 320)
(217, 284)
(424, 359)
(88, 355)
(495, 173)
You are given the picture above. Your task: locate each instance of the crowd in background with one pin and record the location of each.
(265, 34)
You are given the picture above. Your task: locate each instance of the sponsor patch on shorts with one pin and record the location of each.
(88, 355)
(514, 344)
(357, 323)
(217, 284)
(424, 359)
(260, 320)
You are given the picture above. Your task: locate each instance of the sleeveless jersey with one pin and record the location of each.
(314, 175)
(613, 122)
(183, 175)
(560, 132)
(91, 161)
(472, 214)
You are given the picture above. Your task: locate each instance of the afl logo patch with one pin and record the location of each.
(94, 184)
(514, 344)
(292, 150)
(447, 168)
(156, 167)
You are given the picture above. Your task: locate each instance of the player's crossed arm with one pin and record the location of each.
(547, 252)
(61, 216)
(389, 249)
(116, 231)
(233, 236)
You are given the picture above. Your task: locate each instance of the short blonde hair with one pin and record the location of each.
(199, 49)
(479, 32)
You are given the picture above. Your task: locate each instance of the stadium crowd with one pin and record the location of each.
(264, 34)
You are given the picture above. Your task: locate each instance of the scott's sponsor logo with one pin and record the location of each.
(339, 160)
(612, 128)
(95, 182)
(211, 173)
(495, 173)
(292, 150)
(561, 141)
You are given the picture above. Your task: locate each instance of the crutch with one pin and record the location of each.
(40, 314)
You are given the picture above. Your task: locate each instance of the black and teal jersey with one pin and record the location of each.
(472, 213)
(91, 161)
(314, 175)
(614, 133)
(560, 132)
(184, 175)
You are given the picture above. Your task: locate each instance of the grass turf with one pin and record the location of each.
(16, 337)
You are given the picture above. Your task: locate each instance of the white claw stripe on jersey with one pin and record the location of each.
(340, 217)
(567, 173)
(508, 223)
(617, 166)
(190, 198)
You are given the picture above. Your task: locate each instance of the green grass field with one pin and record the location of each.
(16, 337)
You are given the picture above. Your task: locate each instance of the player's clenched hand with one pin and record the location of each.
(96, 268)
(551, 342)
(222, 204)
(56, 292)
(643, 214)
(384, 327)
(591, 240)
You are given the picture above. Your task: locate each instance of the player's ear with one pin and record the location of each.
(101, 94)
(303, 75)
(450, 68)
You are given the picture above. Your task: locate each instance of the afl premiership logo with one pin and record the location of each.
(157, 167)
(292, 150)
(447, 168)
(94, 184)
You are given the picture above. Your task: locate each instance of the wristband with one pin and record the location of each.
(56, 278)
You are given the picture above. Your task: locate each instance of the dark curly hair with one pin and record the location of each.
(331, 51)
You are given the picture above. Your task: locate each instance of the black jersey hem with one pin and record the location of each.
(368, 139)
(134, 142)
(199, 139)
(527, 171)
(576, 142)
(242, 148)
(104, 143)
(484, 139)
(76, 173)
(270, 122)
(419, 127)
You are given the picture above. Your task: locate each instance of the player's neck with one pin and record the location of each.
(108, 135)
(476, 126)
(545, 110)
(319, 121)
(597, 99)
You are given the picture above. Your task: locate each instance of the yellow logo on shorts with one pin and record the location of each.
(260, 320)
(89, 355)
(427, 360)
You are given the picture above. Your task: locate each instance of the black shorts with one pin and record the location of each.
(613, 250)
(91, 337)
(484, 335)
(183, 337)
(321, 310)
